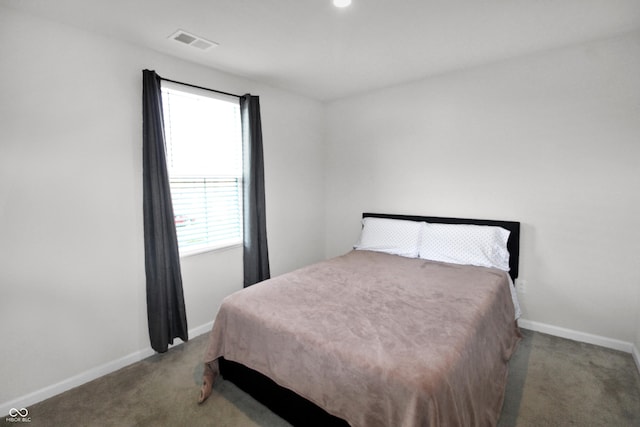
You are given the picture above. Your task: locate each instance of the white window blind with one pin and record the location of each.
(204, 159)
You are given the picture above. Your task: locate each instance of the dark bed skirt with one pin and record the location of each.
(282, 401)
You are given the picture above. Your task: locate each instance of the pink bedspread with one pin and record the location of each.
(377, 339)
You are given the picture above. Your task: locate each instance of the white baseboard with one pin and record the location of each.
(202, 329)
(90, 375)
(571, 334)
(557, 331)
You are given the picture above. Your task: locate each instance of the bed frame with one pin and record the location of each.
(301, 412)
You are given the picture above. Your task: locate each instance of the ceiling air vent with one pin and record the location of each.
(192, 40)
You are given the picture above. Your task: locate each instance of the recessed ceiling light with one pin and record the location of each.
(341, 3)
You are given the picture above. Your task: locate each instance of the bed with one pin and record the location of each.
(401, 331)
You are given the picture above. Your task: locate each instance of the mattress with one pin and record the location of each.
(378, 339)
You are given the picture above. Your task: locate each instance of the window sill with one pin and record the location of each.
(197, 251)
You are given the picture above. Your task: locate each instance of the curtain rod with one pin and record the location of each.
(200, 87)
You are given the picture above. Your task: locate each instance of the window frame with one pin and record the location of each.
(186, 251)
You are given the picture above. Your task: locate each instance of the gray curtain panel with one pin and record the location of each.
(256, 253)
(165, 300)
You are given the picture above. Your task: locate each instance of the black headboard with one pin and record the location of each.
(513, 244)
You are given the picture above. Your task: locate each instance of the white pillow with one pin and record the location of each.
(393, 236)
(481, 245)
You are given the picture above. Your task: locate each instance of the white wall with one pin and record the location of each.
(72, 286)
(551, 140)
(636, 343)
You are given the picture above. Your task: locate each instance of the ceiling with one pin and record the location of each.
(312, 48)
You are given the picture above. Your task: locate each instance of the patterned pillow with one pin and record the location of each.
(481, 245)
(393, 236)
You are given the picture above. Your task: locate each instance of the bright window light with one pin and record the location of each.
(204, 159)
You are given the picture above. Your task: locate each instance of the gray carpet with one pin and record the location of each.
(552, 382)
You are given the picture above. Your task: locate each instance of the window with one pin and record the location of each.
(204, 160)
